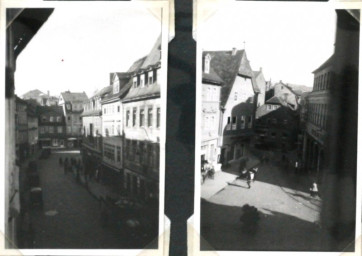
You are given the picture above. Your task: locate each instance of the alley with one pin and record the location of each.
(289, 216)
(70, 217)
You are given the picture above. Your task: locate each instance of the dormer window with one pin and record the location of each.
(142, 80)
(150, 77)
(135, 81)
(207, 64)
(116, 84)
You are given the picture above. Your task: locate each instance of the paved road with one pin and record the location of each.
(288, 215)
(71, 216)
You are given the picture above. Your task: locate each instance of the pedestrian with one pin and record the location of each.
(248, 179)
(253, 172)
(314, 190)
(296, 166)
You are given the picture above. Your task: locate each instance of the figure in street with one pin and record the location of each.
(314, 190)
(248, 179)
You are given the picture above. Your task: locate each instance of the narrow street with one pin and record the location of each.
(70, 217)
(289, 216)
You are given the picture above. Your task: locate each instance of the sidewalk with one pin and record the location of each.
(213, 186)
(97, 189)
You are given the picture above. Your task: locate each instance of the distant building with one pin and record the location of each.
(262, 85)
(237, 102)
(52, 129)
(41, 98)
(72, 104)
(211, 88)
(33, 132)
(92, 143)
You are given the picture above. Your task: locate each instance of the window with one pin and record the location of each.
(104, 111)
(41, 130)
(128, 116)
(134, 116)
(118, 154)
(250, 123)
(69, 129)
(109, 151)
(51, 129)
(119, 129)
(228, 123)
(135, 81)
(234, 123)
(242, 122)
(236, 96)
(118, 109)
(150, 77)
(60, 129)
(149, 117)
(116, 85)
(142, 117)
(141, 81)
(59, 118)
(106, 132)
(43, 118)
(51, 118)
(158, 117)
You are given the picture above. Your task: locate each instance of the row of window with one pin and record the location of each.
(271, 107)
(317, 114)
(51, 119)
(142, 153)
(112, 130)
(143, 117)
(323, 81)
(147, 78)
(209, 122)
(210, 93)
(111, 109)
(242, 122)
(51, 129)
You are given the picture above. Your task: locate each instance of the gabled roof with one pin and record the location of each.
(211, 77)
(74, 96)
(154, 56)
(124, 82)
(137, 65)
(327, 63)
(275, 100)
(298, 89)
(227, 66)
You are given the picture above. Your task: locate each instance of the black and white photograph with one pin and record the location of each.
(276, 128)
(85, 99)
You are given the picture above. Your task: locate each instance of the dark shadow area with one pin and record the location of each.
(276, 231)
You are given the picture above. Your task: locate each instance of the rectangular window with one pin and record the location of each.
(118, 109)
(128, 117)
(234, 123)
(51, 118)
(158, 117)
(135, 81)
(142, 117)
(242, 122)
(60, 129)
(41, 130)
(236, 96)
(51, 129)
(134, 116)
(150, 117)
(150, 78)
(250, 121)
(109, 152)
(69, 129)
(59, 118)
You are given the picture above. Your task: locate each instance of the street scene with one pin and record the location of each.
(83, 155)
(269, 175)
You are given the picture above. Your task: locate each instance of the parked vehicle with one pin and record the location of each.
(36, 197)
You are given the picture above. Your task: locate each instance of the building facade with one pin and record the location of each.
(72, 104)
(21, 128)
(52, 128)
(210, 116)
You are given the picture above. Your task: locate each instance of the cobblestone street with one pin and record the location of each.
(289, 215)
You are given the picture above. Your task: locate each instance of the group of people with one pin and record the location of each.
(249, 175)
(72, 165)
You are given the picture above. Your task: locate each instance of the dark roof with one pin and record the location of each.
(275, 100)
(154, 56)
(74, 96)
(211, 77)
(103, 91)
(327, 63)
(49, 109)
(125, 82)
(227, 66)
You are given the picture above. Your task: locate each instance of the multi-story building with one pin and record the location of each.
(112, 131)
(237, 102)
(51, 126)
(92, 143)
(21, 128)
(41, 98)
(72, 104)
(211, 87)
(142, 124)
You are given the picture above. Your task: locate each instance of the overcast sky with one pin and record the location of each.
(288, 40)
(76, 49)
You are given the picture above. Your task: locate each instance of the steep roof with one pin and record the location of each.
(124, 82)
(299, 89)
(154, 56)
(327, 63)
(274, 100)
(227, 66)
(211, 77)
(137, 65)
(74, 96)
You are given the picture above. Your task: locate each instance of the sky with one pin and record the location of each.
(287, 40)
(77, 49)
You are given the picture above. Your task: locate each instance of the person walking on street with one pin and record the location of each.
(248, 179)
(314, 190)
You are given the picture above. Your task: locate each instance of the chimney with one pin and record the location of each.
(233, 52)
